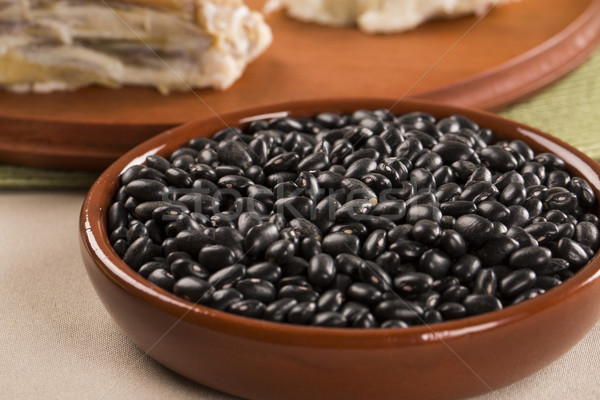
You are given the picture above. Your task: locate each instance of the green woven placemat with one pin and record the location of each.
(570, 110)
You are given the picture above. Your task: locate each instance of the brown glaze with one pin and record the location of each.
(515, 50)
(263, 360)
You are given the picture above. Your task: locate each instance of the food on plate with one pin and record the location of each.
(172, 45)
(362, 220)
(382, 16)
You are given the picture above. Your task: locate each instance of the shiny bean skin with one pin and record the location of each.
(358, 220)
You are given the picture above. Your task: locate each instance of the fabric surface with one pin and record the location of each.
(570, 110)
(58, 342)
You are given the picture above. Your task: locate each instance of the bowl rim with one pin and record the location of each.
(94, 238)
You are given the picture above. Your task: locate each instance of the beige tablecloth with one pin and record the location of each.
(58, 342)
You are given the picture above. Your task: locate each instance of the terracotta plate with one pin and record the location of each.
(513, 51)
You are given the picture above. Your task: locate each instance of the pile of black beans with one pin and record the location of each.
(364, 220)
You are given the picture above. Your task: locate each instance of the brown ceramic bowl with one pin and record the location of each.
(262, 360)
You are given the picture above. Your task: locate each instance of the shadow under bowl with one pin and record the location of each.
(257, 359)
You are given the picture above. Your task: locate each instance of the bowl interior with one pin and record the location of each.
(93, 228)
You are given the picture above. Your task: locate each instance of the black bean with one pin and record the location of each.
(435, 263)
(138, 253)
(364, 293)
(183, 267)
(248, 308)
(473, 228)
(321, 270)
(425, 211)
(279, 251)
(374, 245)
(452, 310)
(479, 175)
(587, 233)
(543, 232)
(259, 289)
(281, 163)
(147, 190)
(259, 238)
(517, 282)
(498, 158)
(455, 294)
(466, 268)
(278, 309)
(585, 195)
(373, 274)
(452, 243)
(479, 191)
(413, 283)
(149, 267)
(573, 252)
(458, 207)
(552, 267)
(302, 313)
(528, 294)
(481, 303)
(314, 162)
(493, 210)
(162, 278)
(193, 289)
(485, 282)
(496, 250)
(398, 309)
(547, 282)
(228, 276)
(352, 228)
(408, 250)
(222, 299)
(353, 210)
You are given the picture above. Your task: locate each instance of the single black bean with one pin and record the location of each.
(139, 252)
(452, 310)
(259, 289)
(302, 313)
(455, 294)
(149, 267)
(466, 268)
(474, 228)
(573, 252)
(364, 293)
(193, 289)
(479, 191)
(162, 278)
(498, 158)
(452, 243)
(147, 190)
(513, 194)
(435, 262)
(408, 250)
(398, 309)
(354, 210)
(543, 232)
(413, 283)
(250, 308)
(373, 274)
(485, 282)
(228, 276)
(278, 310)
(517, 282)
(496, 250)
(458, 207)
(481, 303)
(374, 245)
(528, 294)
(321, 270)
(259, 238)
(425, 211)
(183, 267)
